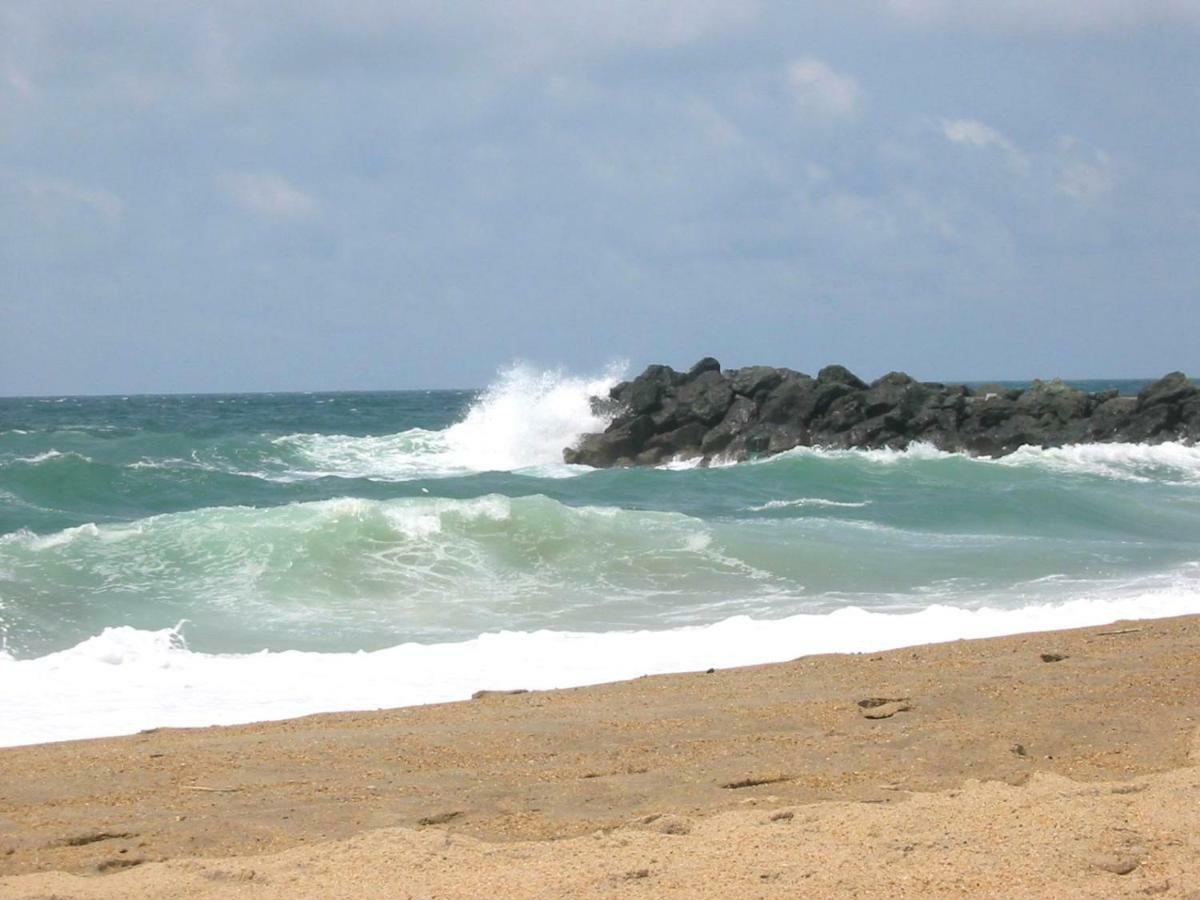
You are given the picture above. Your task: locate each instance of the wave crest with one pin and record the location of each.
(521, 422)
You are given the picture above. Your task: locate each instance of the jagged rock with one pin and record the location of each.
(708, 364)
(841, 375)
(683, 441)
(754, 380)
(791, 400)
(612, 445)
(740, 414)
(1110, 416)
(645, 393)
(1149, 422)
(759, 410)
(1054, 401)
(706, 396)
(1169, 390)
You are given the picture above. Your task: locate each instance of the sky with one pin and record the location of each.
(238, 195)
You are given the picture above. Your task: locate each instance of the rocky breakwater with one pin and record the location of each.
(710, 414)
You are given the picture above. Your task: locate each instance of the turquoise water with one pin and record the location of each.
(346, 523)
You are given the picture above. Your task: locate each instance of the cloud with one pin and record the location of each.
(816, 88)
(268, 195)
(1085, 175)
(49, 193)
(1047, 15)
(973, 133)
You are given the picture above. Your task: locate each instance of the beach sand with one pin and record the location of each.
(1060, 764)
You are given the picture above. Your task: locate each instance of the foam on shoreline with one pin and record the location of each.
(125, 680)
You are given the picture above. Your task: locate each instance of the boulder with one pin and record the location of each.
(1054, 402)
(705, 397)
(1169, 390)
(759, 410)
(1110, 417)
(791, 400)
(708, 364)
(740, 415)
(608, 447)
(682, 442)
(841, 375)
(645, 393)
(754, 380)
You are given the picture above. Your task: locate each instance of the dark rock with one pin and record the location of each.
(871, 433)
(792, 400)
(682, 442)
(652, 456)
(992, 389)
(740, 414)
(645, 393)
(988, 410)
(1054, 401)
(760, 410)
(708, 364)
(841, 375)
(706, 397)
(605, 407)
(754, 380)
(1110, 417)
(1170, 389)
(1189, 426)
(843, 413)
(1150, 421)
(608, 447)
(668, 415)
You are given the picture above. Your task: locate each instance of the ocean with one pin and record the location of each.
(195, 560)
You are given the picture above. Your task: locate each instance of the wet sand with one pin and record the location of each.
(1057, 764)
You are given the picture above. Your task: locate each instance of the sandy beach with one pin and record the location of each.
(1060, 764)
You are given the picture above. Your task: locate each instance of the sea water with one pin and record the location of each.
(194, 560)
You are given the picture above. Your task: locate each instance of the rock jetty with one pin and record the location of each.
(714, 414)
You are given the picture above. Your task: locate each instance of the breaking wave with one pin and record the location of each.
(140, 679)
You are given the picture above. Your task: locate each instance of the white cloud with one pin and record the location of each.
(1046, 15)
(816, 88)
(973, 133)
(52, 192)
(268, 195)
(1084, 175)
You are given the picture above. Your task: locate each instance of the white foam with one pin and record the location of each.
(521, 423)
(1172, 462)
(125, 680)
(882, 456)
(49, 455)
(809, 501)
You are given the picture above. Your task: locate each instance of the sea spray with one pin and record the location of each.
(522, 421)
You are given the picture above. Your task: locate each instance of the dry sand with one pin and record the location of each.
(997, 770)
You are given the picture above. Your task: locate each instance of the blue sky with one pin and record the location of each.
(239, 195)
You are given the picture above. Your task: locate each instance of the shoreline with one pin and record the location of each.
(989, 722)
(160, 684)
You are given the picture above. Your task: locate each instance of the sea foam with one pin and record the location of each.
(124, 680)
(521, 422)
